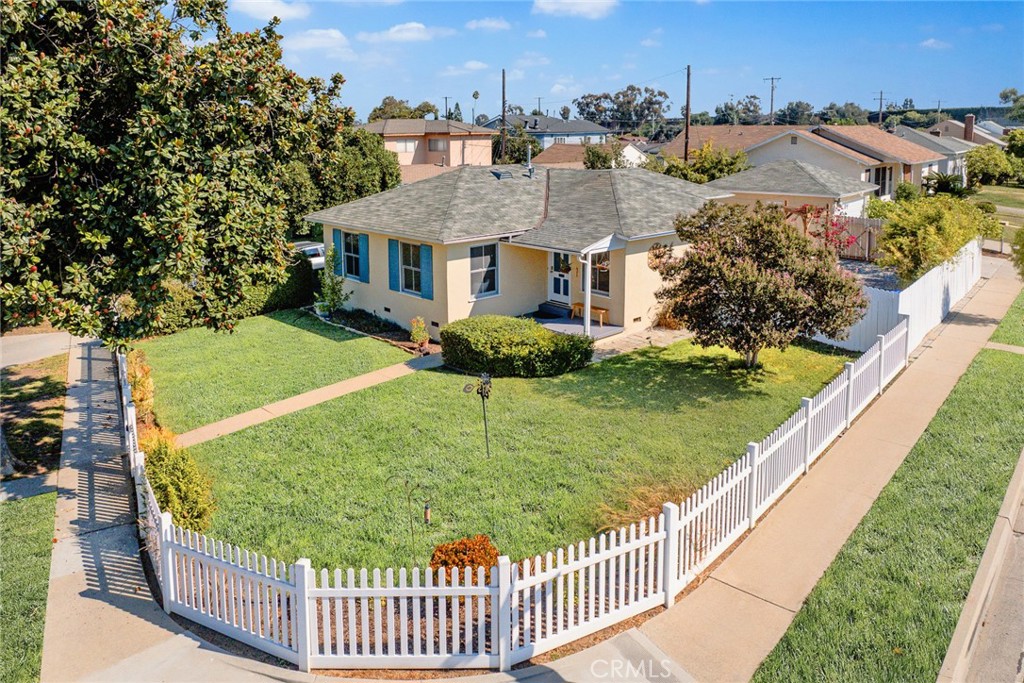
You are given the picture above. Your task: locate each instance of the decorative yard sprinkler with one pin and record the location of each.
(426, 513)
(410, 489)
(483, 388)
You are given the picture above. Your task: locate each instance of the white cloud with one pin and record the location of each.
(515, 75)
(328, 42)
(649, 42)
(588, 9)
(539, 33)
(409, 32)
(566, 86)
(488, 24)
(467, 67)
(530, 59)
(265, 10)
(934, 44)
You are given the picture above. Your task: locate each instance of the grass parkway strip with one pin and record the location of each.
(886, 608)
(26, 530)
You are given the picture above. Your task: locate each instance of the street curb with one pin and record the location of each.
(961, 647)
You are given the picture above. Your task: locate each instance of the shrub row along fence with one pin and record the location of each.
(492, 617)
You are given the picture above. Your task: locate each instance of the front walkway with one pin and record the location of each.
(305, 400)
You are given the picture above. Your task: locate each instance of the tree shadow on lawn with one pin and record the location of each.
(307, 322)
(656, 378)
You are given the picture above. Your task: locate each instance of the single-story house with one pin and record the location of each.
(508, 240)
(550, 130)
(859, 152)
(953, 149)
(966, 131)
(571, 156)
(793, 184)
(426, 148)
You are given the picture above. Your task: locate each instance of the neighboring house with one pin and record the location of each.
(428, 148)
(954, 150)
(993, 128)
(507, 240)
(859, 152)
(900, 159)
(554, 131)
(793, 184)
(571, 156)
(966, 131)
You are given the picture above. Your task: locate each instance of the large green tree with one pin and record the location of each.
(1015, 99)
(625, 110)
(751, 281)
(797, 113)
(706, 163)
(517, 141)
(145, 143)
(987, 165)
(393, 108)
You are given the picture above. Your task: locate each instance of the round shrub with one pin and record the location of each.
(512, 347)
(986, 207)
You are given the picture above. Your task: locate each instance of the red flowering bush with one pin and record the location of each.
(474, 551)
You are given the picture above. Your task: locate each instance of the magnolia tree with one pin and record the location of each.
(749, 281)
(143, 143)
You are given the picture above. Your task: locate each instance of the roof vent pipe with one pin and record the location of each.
(529, 160)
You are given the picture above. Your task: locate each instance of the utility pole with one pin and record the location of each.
(446, 112)
(938, 106)
(881, 99)
(504, 107)
(771, 105)
(686, 128)
(538, 104)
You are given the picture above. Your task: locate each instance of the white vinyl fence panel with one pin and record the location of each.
(493, 617)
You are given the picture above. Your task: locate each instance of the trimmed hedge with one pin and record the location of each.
(512, 347)
(295, 291)
(178, 483)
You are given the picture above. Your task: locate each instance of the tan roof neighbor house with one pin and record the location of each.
(571, 156)
(427, 148)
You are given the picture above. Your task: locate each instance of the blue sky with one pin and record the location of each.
(962, 53)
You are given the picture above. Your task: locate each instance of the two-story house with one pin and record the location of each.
(428, 148)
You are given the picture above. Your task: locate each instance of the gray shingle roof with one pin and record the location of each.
(792, 178)
(548, 124)
(559, 208)
(943, 145)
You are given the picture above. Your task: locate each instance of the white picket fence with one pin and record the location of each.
(493, 617)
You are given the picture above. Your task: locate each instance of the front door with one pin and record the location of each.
(558, 282)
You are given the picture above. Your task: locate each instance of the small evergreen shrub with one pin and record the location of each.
(178, 483)
(906, 192)
(418, 331)
(295, 291)
(986, 207)
(332, 295)
(512, 347)
(474, 551)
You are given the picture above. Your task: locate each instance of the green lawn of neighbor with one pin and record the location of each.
(1011, 329)
(328, 482)
(887, 607)
(33, 411)
(1002, 195)
(201, 376)
(26, 530)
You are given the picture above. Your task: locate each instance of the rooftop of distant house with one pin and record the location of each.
(417, 127)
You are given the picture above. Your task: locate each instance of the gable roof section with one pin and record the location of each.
(415, 127)
(566, 209)
(732, 138)
(822, 142)
(585, 207)
(942, 145)
(878, 143)
(564, 153)
(548, 124)
(789, 177)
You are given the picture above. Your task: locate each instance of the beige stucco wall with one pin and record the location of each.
(808, 151)
(522, 281)
(642, 282)
(376, 297)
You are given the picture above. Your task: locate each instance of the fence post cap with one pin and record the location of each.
(847, 365)
(805, 401)
(504, 561)
(669, 508)
(166, 518)
(303, 562)
(753, 446)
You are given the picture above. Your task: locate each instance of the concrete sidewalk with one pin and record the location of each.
(305, 400)
(727, 626)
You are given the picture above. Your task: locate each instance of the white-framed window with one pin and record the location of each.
(600, 273)
(405, 146)
(792, 139)
(350, 255)
(412, 281)
(586, 139)
(559, 141)
(437, 145)
(483, 270)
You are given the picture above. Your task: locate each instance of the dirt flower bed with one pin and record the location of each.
(385, 330)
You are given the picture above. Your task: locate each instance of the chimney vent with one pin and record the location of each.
(969, 128)
(536, 123)
(936, 133)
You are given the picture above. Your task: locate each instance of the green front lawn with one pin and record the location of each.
(887, 607)
(1011, 329)
(1002, 195)
(201, 376)
(328, 482)
(33, 411)
(26, 527)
